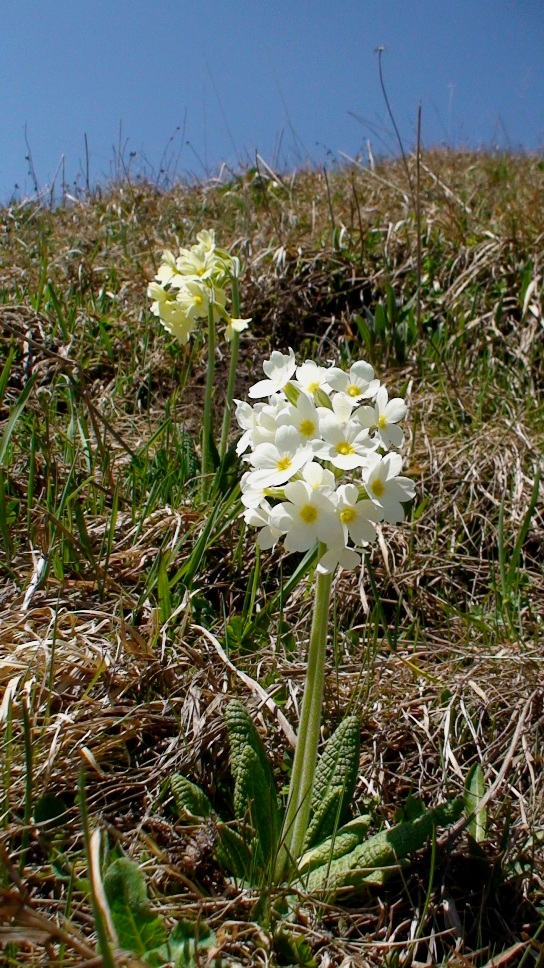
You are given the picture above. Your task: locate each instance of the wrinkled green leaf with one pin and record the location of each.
(191, 802)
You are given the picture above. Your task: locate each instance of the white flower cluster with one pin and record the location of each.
(187, 286)
(321, 469)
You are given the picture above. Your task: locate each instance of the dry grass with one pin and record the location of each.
(98, 670)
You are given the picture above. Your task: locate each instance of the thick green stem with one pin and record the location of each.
(227, 416)
(297, 814)
(207, 422)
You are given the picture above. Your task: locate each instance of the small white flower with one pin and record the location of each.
(260, 518)
(345, 445)
(388, 414)
(196, 262)
(260, 422)
(159, 296)
(386, 489)
(276, 463)
(235, 326)
(308, 516)
(206, 239)
(338, 557)
(279, 370)
(359, 383)
(312, 377)
(357, 517)
(303, 415)
(194, 297)
(168, 269)
(342, 407)
(318, 476)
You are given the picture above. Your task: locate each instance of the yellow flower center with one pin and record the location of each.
(382, 422)
(284, 464)
(377, 488)
(347, 515)
(198, 300)
(353, 391)
(344, 448)
(308, 513)
(307, 428)
(312, 387)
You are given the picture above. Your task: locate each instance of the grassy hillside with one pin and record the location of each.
(130, 608)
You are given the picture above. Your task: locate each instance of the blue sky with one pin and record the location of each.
(200, 83)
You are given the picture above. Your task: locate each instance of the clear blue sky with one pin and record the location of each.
(212, 81)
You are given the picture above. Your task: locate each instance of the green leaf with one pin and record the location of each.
(377, 858)
(189, 799)
(254, 799)
(16, 412)
(474, 794)
(186, 942)
(233, 853)
(380, 322)
(343, 841)
(365, 334)
(336, 770)
(49, 812)
(326, 818)
(138, 929)
(242, 733)
(291, 950)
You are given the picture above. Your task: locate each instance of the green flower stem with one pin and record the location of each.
(207, 423)
(297, 814)
(227, 416)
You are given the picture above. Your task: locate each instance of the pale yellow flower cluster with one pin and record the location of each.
(189, 286)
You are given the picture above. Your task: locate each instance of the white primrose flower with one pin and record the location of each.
(388, 414)
(339, 556)
(311, 377)
(357, 516)
(196, 262)
(194, 298)
(318, 476)
(235, 326)
(171, 313)
(303, 415)
(359, 383)
(341, 406)
(344, 444)
(252, 495)
(168, 270)
(259, 517)
(279, 369)
(306, 517)
(247, 418)
(206, 240)
(275, 463)
(260, 422)
(385, 488)
(159, 296)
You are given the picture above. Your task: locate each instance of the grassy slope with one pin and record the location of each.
(102, 667)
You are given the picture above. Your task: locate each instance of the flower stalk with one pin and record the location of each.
(235, 342)
(207, 417)
(299, 800)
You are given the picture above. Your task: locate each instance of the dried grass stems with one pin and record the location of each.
(99, 670)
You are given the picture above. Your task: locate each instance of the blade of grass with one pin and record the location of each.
(95, 888)
(16, 412)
